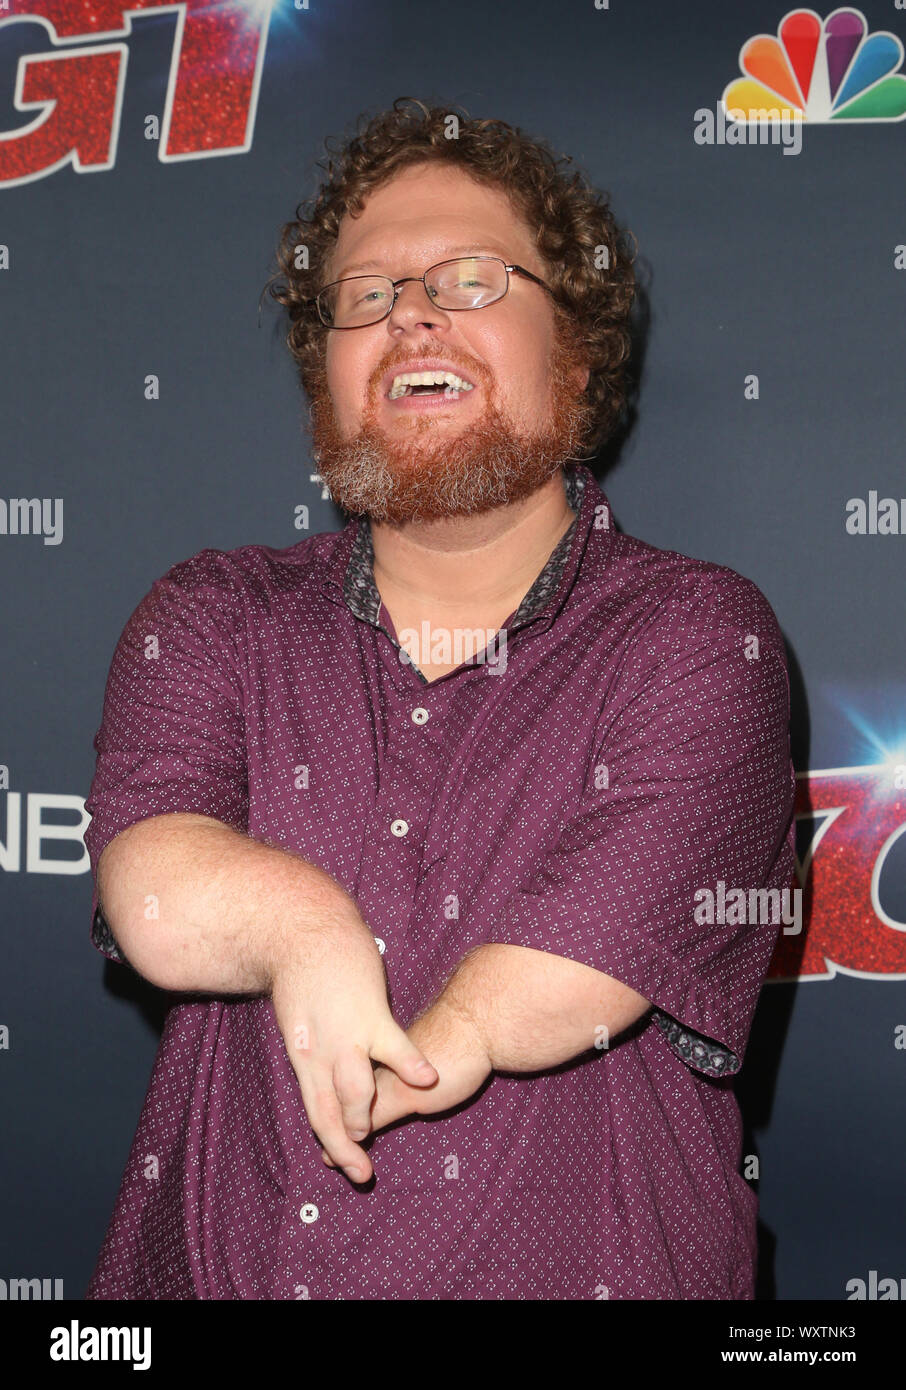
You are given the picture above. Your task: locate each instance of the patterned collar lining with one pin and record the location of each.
(363, 598)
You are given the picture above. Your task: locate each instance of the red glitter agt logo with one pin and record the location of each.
(212, 94)
(856, 815)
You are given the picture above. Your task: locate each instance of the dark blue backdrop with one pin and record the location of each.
(754, 263)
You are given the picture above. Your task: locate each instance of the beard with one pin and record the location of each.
(429, 472)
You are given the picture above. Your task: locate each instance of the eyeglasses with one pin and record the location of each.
(470, 282)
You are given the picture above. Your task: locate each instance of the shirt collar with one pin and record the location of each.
(349, 576)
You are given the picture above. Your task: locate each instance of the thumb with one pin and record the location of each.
(400, 1054)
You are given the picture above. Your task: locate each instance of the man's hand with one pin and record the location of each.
(453, 1041)
(329, 995)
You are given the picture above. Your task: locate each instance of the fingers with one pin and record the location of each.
(392, 1101)
(326, 1118)
(353, 1080)
(338, 1085)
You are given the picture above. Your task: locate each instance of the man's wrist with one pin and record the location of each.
(464, 1005)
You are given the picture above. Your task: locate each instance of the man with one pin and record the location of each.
(427, 809)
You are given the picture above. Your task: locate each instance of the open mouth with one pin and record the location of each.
(438, 383)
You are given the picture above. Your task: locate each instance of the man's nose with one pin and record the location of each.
(414, 304)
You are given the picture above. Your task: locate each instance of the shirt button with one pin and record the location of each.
(420, 716)
(308, 1213)
(399, 827)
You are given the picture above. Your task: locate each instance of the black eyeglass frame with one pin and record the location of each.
(404, 280)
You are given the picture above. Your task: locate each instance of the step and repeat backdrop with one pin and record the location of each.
(149, 409)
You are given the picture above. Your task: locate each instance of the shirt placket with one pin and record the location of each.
(411, 767)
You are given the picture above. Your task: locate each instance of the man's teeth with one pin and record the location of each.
(403, 382)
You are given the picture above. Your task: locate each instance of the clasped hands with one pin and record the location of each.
(357, 1069)
(452, 1039)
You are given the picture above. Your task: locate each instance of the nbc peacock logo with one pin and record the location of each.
(819, 70)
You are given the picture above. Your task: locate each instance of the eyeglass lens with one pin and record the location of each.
(467, 283)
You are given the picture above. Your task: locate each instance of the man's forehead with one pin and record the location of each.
(427, 219)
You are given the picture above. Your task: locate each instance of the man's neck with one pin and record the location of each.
(471, 564)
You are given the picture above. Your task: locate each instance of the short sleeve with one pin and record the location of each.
(692, 788)
(172, 733)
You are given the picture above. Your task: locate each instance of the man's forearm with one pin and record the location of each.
(534, 1010)
(198, 906)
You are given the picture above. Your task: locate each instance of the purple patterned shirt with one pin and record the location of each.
(574, 791)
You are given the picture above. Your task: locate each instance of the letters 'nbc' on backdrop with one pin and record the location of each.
(146, 164)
